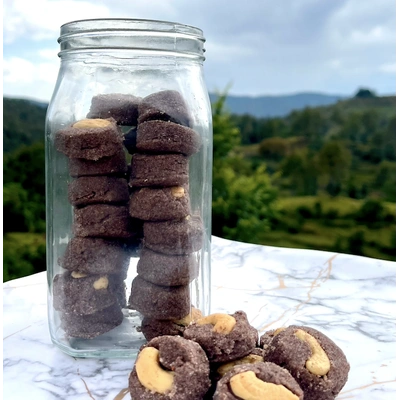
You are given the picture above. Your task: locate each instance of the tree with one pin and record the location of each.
(364, 93)
(243, 199)
(334, 161)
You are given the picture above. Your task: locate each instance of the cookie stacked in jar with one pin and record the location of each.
(172, 234)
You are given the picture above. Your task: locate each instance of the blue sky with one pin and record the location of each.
(259, 47)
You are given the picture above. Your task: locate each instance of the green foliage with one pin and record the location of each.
(23, 254)
(23, 123)
(365, 93)
(243, 198)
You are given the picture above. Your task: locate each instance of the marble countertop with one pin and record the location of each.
(349, 298)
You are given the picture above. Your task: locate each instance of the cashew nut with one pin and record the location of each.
(278, 330)
(195, 314)
(91, 123)
(77, 275)
(177, 191)
(247, 386)
(223, 323)
(150, 373)
(318, 363)
(101, 283)
(250, 359)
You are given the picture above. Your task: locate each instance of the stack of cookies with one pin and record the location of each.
(172, 233)
(91, 292)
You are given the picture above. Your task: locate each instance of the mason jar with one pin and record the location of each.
(128, 185)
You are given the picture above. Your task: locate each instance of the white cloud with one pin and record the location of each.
(41, 19)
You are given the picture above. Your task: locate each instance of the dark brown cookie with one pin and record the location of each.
(103, 220)
(159, 170)
(152, 328)
(160, 204)
(167, 105)
(267, 337)
(159, 302)
(174, 237)
(113, 165)
(82, 294)
(258, 381)
(95, 256)
(223, 337)
(316, 362)
(91, 139)
(93, 325)
(167, 137)
(122, 107)
(98, 189)
(167, 270)
(170, 367)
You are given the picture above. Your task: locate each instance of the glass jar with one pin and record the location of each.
(128, 185)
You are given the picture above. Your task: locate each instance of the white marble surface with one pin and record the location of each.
(350, 299)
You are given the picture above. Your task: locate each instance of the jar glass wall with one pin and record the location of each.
(128, 185)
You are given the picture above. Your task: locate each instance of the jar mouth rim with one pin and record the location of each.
(130, 23)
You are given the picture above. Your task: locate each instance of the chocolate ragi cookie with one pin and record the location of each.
(160, 204)
(174, 237)
(98, 189)
(152, 328)
(167, 270)
(93, 325)
(167, 137)
(95, 256)
(266, 338)
(91, 139)
(167, 105)
(258, 381)
(112, 165)
(159, 302)
(103, 220)
(82, 294)
(122, 107)
(170, 367)
(159, 170)
(223, 337)
(316, 362)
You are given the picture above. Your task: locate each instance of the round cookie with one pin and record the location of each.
(82, 294)
(223, 337)
(159, 302)
(316, 362)
(103, 220)
(91, 139)
(98, 189)
(122, 107)
(167, 137)
(159, 170)
(167, 270)
(160, 204)
(112, 165)
(174, 237)
(167, 105)
(170, 367)
(152, 328)
(95, 256)
(258, 381)
(93, 325)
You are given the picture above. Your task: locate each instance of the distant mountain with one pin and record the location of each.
(276, 106)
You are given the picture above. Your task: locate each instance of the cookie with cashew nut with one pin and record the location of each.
(152, 328)
(160, 204)
(223, 337)
(167, 137)
(262, 380)
(82, 294)
(91, 139)
(315, 361)
(170, 367)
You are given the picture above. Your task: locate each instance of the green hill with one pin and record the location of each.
(23, 123)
